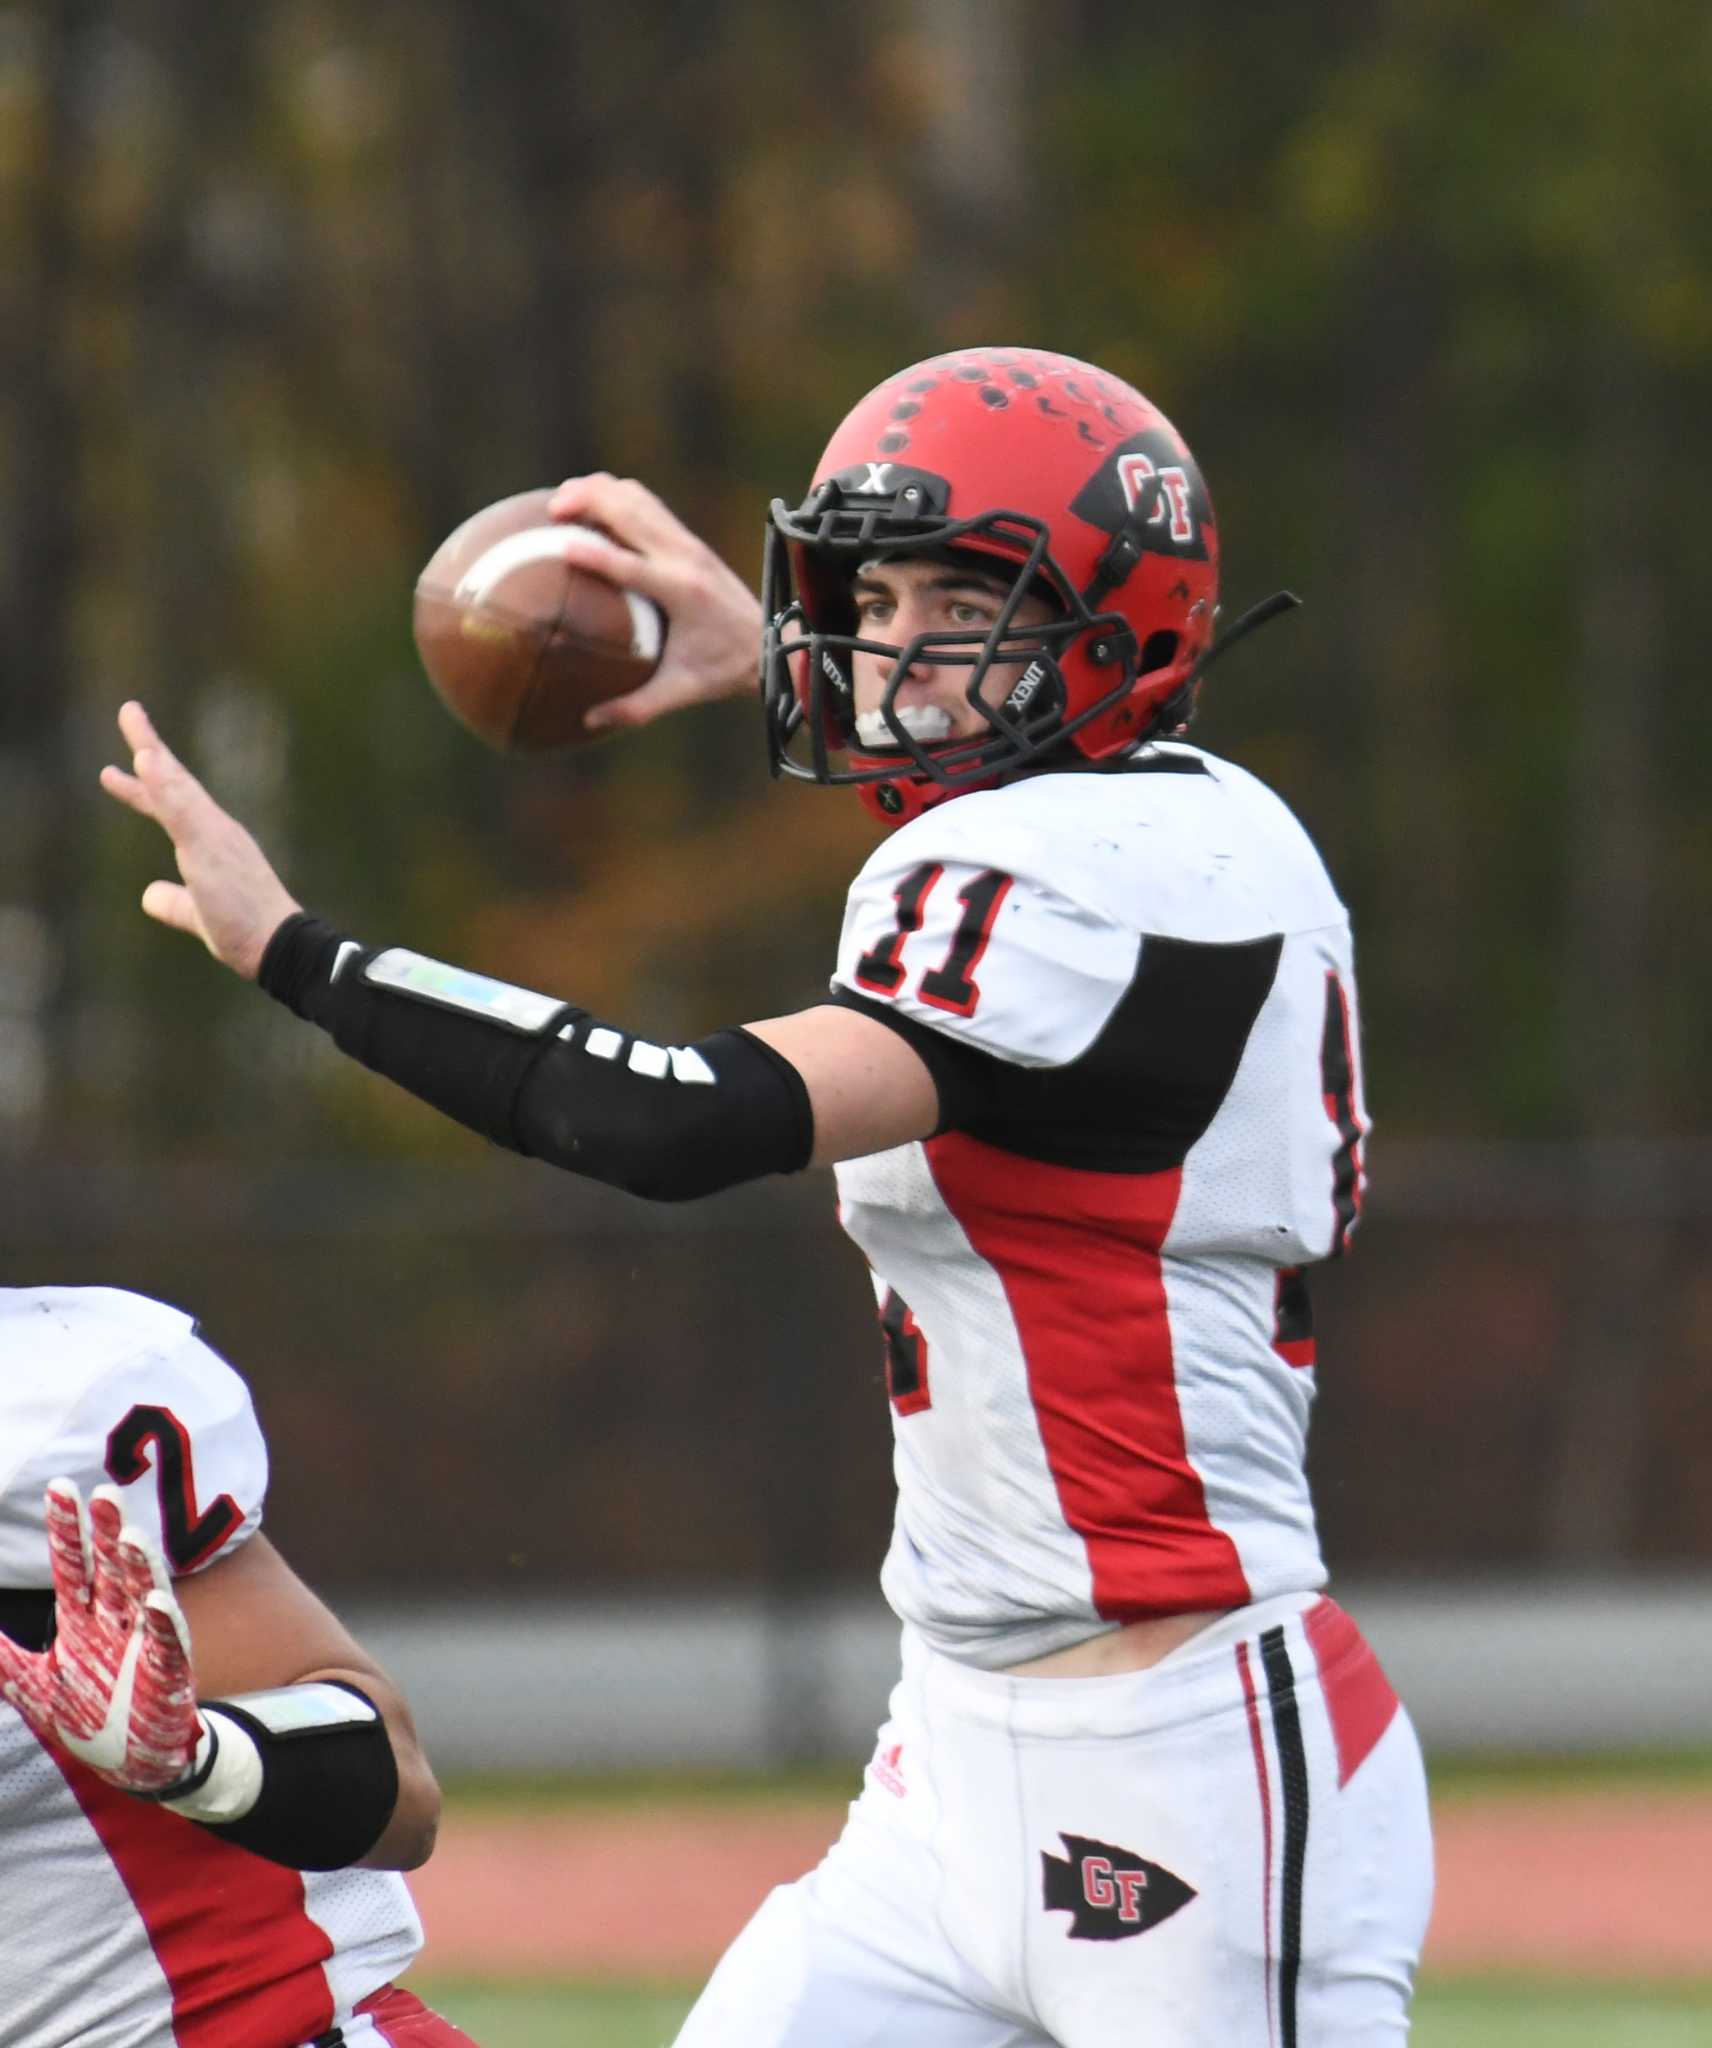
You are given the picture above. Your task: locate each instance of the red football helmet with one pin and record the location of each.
(1069, 482)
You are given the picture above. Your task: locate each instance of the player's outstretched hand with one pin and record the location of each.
(230, 898)
(713, 621)
(115, 1685)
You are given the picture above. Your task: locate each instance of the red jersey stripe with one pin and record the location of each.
(240, 1955)
(1078, 1255)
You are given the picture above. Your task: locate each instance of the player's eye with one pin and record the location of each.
(964, 611)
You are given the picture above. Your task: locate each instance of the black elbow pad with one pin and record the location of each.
(666, 1123)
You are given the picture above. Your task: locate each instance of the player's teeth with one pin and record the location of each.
(924, 723)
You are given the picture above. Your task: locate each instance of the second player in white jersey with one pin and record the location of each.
(126, 1925)
(1136, 992)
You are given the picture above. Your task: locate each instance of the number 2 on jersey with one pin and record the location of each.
(950, 985)
(190, 1537)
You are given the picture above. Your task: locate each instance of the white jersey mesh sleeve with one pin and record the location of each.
(128, 1927)
(1135, 990)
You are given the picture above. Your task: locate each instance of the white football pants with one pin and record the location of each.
(1229, 1850)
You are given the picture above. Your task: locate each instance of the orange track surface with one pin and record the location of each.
(1596, 1883)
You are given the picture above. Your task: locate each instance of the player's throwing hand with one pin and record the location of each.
(230, 897)
(713, 635)
(114, 1687)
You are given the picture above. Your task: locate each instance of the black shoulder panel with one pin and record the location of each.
(1147, 1088)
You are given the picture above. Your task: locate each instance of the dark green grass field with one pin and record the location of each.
(1454, 2015)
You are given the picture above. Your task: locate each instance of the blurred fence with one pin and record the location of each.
(504, 1378)
(1526, 1665)
(660, 1434)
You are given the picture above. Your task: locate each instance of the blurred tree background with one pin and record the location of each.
(289, 288)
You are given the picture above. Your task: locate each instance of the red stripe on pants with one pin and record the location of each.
(1257, 1742)
(405, 2022)
(1358, 1695)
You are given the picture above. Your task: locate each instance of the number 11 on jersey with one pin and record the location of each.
(951, 985)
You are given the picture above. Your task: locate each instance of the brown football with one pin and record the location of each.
(517, 642)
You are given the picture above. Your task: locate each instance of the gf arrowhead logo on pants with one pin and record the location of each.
(1109, 1893)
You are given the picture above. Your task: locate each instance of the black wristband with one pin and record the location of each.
(300, 950)
(327, 1792)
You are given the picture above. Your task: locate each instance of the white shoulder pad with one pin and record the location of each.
(1180, 844)
(98, 1385)
(955, 922)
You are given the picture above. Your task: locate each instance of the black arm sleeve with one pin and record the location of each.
(667, 1123)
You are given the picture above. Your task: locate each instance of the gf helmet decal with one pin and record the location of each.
(1150, 461)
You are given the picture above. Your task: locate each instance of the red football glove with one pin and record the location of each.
(115, 1686)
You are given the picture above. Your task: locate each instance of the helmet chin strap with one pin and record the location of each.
(1175, 712)
(1260, 614)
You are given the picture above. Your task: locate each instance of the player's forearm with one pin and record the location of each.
(542, 1077)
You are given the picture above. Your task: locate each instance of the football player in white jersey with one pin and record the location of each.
(207, 1788)
(1089, 1074)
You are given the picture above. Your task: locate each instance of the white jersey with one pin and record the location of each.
(127, 1926)
(1135, 989)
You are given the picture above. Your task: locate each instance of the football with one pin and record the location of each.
(519, 644)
